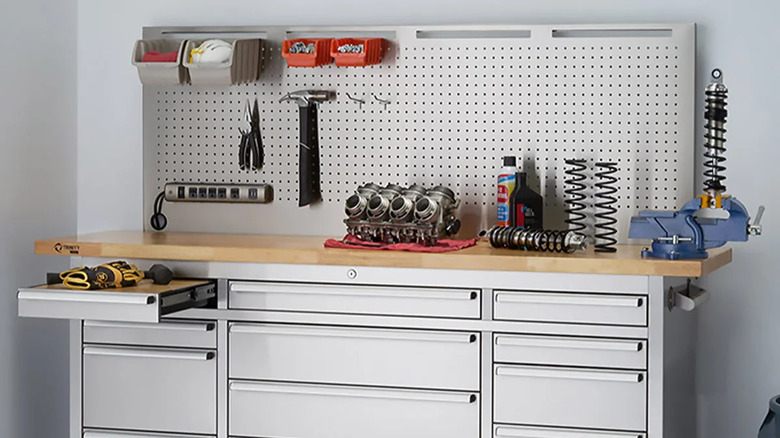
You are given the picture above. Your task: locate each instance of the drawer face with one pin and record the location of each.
(146, 302)
(376, 357)
(188, 334)
(370, 300)
(160, 390)
(290, 410)
(570, 397)
(570, 308)
(502, 431)
(112, 434)
(572, 351)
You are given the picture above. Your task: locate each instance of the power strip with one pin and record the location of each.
(235, 193)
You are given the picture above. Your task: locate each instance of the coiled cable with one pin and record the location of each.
(605, 210)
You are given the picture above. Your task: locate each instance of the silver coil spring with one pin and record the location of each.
(534, 239)
(574, 192)
(605, 210)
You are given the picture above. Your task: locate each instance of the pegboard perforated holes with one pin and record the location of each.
(455, 110)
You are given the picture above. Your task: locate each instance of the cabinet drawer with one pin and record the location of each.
(585, 352)
(190, 334)
(377, 357)
(502, 431)
(143, 303)
(570, 397)
(570, 308)
(165, 390)
(111, 434)
(290, 410)
(374, 300)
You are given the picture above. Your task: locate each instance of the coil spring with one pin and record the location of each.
(574, 205)
(605, 211)
(534, 239)
(715, 114)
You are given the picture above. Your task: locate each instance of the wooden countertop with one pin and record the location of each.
(309, 250)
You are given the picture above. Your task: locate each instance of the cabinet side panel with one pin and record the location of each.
(679, 369)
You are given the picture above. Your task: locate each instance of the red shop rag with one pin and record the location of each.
(160, 57)
(351, 242)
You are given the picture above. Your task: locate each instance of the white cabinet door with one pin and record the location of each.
(572, 351)
(570, 308)
(327, 411)
(153, 389)
(361, 356)
(369, 300)
(570, 397)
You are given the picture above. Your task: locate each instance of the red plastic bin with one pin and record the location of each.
(373, 50)
(321, 55)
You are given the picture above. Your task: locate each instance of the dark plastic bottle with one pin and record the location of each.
(525, 205)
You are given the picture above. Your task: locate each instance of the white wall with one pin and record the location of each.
(37, 200)
(737, 356)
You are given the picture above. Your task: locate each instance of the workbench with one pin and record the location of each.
(277, 336)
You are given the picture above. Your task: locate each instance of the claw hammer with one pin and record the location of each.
(309, 148)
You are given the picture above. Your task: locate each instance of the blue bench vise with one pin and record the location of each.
(688, 233)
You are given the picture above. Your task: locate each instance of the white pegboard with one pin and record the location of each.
(460, 99)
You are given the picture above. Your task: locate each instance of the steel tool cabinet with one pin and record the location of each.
(299, 350)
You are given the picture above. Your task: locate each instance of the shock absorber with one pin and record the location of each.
(715, 135)
(535, 239)
(574, 205)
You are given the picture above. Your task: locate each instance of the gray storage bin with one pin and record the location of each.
(243, 66)
(160, 73)
(771, 425)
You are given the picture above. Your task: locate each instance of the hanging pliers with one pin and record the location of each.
(250, 151)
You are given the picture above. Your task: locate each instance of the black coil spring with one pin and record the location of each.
(715, 114)
(605, 211)
(574, 192)
(531, 239)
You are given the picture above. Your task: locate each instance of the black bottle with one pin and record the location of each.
(525, 205)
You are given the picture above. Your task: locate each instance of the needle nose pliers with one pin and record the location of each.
(250, 151)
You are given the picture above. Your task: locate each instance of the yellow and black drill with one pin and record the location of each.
(109, 276)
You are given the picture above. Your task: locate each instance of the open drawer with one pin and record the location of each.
(143, 303)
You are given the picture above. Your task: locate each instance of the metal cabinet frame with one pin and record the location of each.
(668, 347)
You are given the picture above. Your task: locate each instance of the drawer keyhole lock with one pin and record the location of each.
(352, 274)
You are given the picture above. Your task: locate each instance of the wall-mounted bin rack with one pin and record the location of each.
(373, 50)
(160, 73)
(243, 66)
(321, 55)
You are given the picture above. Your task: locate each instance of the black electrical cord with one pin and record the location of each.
(158, 221)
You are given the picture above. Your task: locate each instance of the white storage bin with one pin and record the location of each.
(160, 73)
(243, 66)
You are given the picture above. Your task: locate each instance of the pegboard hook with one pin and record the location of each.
(382, 101)
(355, 99)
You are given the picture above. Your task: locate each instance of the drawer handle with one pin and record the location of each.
(543, 433)
(439, 294)
(585, 344)
(89, 297)
(355, 392)
(178, 326)
(149, 354)
(570, 374)
(461, 338)
(570, 300)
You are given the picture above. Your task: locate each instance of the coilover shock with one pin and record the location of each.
(715, 134)
(605, 218)
(574, 205)
(534, 239)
